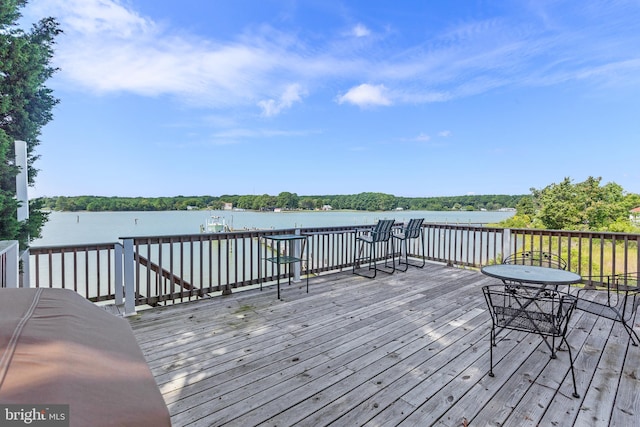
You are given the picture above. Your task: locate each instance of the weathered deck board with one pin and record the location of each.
(404, 349)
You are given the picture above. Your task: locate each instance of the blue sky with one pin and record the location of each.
(314, 97)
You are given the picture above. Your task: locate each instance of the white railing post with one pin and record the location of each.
(506, 243)
(129, 279)
(118, 263)
(22, 195)
(25, 277)
(22, 180)
(9, 249)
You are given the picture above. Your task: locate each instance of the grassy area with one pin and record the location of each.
(590, 257)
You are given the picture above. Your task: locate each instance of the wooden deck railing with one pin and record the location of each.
(93, 271)
(163, 270)
(591, 254)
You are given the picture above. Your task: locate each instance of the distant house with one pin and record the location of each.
(634, 215)
(326, 207)
(227, 206)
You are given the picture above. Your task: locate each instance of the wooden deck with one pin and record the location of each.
(408, 349)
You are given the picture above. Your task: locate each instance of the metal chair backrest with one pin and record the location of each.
(530, 309)
(383, 230)
(623, 299)
(623, 292)
(412, 231)
(538, 258)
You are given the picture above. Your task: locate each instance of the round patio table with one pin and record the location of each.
(531, 274)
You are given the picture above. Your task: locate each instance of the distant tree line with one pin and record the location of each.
(284, 200)
(585, 205)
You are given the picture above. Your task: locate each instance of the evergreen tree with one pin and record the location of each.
(26, 105)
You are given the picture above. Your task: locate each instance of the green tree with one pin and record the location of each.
(307, 203)
(246, 202)
(264, 202)
(526, 206)
(631, 201)
(26, 105)
(287, 200)
(582, 206)
(216, 205)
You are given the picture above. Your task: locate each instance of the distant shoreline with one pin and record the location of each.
(363, 202)
(282, 211)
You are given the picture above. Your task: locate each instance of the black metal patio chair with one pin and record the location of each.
(535, 258)
(531, 309)
(538, 258)
(413, 230)
(621, 302)
(377, 238)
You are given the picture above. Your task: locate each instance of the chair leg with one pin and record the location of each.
(393, 256)
(358, 259)
(492, 343)
(403, 246)
(373, 264)
(406, 255)
(386, 259)
(372, 258)
(573, 374)
(632, 334)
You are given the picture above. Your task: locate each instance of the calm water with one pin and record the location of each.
(65, 228)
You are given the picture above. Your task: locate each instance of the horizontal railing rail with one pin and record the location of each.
(160, 270)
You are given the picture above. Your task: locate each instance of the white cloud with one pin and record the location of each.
(241, 133)
(444, 133)
(422, 138)
(96, 17)
(271, 107)
(237, 135)
(360, 31)
(107, 47)
(366, 95)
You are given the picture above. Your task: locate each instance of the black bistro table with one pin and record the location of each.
(280, 259)
(531, 274)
